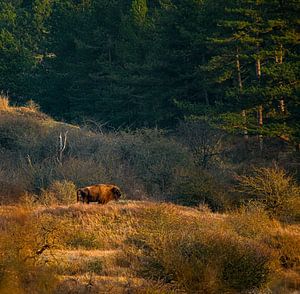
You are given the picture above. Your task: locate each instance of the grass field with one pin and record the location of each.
(145, 247)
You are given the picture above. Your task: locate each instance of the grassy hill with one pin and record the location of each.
(238, 231)
(145, 247)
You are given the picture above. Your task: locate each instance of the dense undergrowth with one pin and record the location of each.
(192, 164)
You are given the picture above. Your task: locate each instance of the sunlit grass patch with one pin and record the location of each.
(148, 244)
(4, 103)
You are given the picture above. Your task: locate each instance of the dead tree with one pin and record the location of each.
(62, 146)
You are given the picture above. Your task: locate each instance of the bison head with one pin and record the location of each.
(82, 195)
(116, 192)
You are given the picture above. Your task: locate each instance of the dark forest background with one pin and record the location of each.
(138, 63)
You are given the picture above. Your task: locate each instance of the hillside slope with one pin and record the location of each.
(222, 243)
(37, 152)
(145, 247)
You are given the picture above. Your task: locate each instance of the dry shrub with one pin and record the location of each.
(287, 283)
(195, 186)
(172, 247)
(147, 163)
(153, 159)
(286, 245)
(83, 172)
(59, 192)
(13, 182)
(277, 191)
(199, 254)
(97, 227)
(24, 240)
(79, 286)
(235, 263)
(42, 174)
(32, 106)
(21, 134)
(90, 284)
(28, 200)
(252, 221)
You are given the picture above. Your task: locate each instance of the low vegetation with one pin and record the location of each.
(192, 218)
(275, 190)
(139, 246)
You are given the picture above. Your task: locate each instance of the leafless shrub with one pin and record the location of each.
(277, 191)
(145, 164)
(205, 142)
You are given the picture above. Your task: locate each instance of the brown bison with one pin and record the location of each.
(101, 193)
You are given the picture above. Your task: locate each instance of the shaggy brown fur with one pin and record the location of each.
(101, 193)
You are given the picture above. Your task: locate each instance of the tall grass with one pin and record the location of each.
(181, 249)
(4, 102)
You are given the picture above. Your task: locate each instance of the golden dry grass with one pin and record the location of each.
(30, 111)
(4, 103)
(136, 247)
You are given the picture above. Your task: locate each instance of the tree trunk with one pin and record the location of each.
(260, 107)
(239, 75)
(240, 83)
(279, 55)
(260, 124)
(245, 131)
(258, 69)
(282, 106)
(279, 60)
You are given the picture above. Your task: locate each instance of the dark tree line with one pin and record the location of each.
(139, 63)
